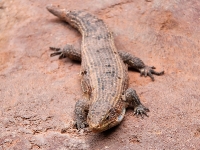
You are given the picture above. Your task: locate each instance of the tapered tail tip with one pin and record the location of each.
(50, 7)
(56, 10)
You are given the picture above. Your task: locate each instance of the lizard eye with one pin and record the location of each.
(108, 117)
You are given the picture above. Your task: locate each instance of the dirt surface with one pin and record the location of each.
(38, 93)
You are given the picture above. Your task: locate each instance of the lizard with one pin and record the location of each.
(104, 73)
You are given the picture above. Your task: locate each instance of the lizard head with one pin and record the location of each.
(101, 119)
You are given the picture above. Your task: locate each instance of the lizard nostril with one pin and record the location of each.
(108, 117)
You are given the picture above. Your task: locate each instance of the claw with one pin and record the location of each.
(58, 51)
(151, 76)
(54, 48)
(142, 116)
(145, 73)
(62, 56)
(141, 73)
(141, 110)
(157, 73)
(148, 71)
(55, 53)
(81, 125)
(146, 114)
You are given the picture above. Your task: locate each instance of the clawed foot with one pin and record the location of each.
(58, 51)
(141, 110)
(149, 71)
(81, 125)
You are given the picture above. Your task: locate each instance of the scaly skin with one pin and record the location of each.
(104, 74)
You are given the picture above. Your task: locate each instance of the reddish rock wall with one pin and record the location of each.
(38, 93)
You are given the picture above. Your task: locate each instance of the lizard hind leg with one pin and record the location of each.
(138, 64)
(68, 51)
(133, 100)
(81, 111)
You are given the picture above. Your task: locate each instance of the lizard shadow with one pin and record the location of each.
(110, 131)
(98, 138)
(132, 69)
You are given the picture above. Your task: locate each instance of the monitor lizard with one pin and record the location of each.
(104, 72)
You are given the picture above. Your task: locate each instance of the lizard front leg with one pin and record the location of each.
(67, 51)
(81, 111)
(138, 64)
(132, 100)
(82, 106)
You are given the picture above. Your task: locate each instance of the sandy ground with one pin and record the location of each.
(38, 93)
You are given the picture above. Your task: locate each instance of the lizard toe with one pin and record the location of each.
(81, 125)
(149, 71)
(141, 111)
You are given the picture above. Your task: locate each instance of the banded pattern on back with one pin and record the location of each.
(102, 64)
(104, 71)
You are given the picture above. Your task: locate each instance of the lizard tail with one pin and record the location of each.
(60, 13)
(71, 17)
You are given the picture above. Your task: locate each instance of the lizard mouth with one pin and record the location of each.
(121, 116)
(107, 125)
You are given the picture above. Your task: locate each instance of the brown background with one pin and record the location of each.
(38, 93)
